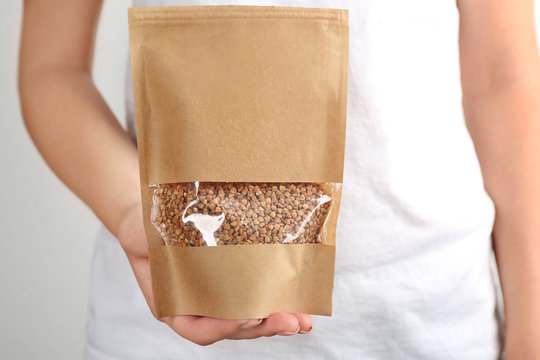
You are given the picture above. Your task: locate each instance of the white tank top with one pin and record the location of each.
(413, 277)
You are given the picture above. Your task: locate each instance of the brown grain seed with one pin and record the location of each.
(261, 213)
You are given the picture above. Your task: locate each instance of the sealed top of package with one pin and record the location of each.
(142, 15)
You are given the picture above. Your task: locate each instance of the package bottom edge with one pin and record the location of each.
(242, 281)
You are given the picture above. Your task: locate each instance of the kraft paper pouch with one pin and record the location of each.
(241, 114)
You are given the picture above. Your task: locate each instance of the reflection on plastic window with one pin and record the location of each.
(226, 213)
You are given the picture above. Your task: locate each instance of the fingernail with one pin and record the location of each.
(289, 333)
(305, 332)
(251, 323)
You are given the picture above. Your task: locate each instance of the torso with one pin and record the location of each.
(413, 277)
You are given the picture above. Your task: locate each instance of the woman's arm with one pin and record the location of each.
(68, 120)
(85, 146)
(501, 98)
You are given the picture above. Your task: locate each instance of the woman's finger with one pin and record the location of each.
(205, 330)
(305, 322)
(276, 324)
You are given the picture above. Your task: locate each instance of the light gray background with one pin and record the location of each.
(46, 233)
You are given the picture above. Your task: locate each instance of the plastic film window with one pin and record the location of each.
(227, 213)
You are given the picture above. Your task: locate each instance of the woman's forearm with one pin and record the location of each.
(81, 140)
(508, 144)
(501, 97)
(67, 118)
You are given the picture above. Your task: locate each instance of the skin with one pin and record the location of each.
(501, 86)
(80, 139)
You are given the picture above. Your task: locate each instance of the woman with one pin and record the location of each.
(421, 201)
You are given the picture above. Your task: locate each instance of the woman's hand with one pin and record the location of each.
(90, 152)
(199, 329)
